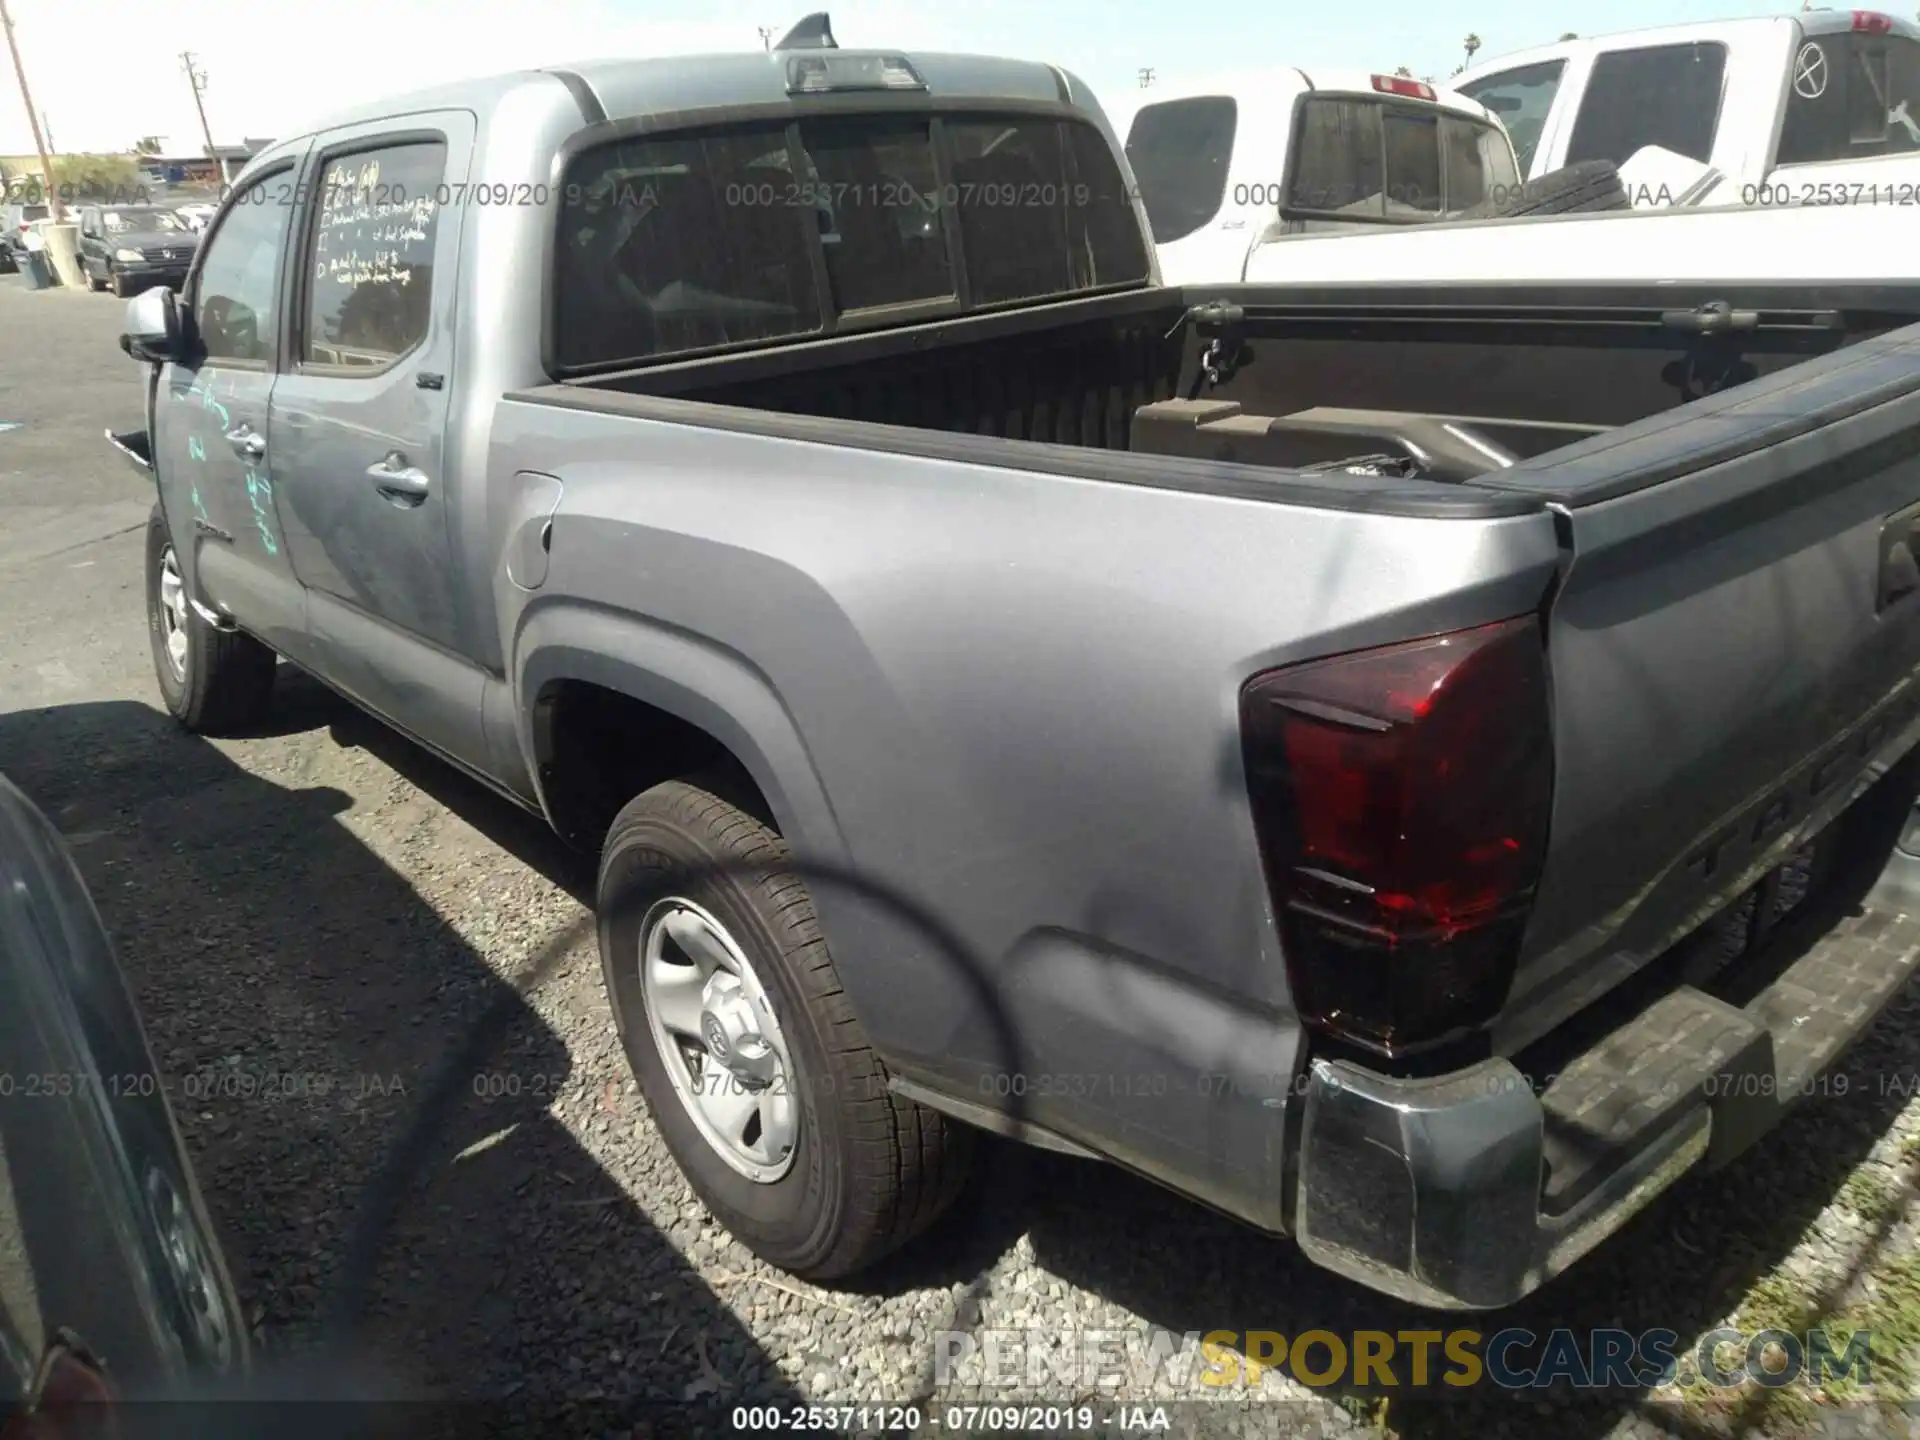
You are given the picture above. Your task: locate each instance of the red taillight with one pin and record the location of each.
(1401, 798)
(1868, 22)
(1400, 85)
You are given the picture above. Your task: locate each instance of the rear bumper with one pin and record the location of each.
(1470, 1190)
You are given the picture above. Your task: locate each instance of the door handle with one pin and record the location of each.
(248, 441)
(400, 482)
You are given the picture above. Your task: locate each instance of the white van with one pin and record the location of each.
(1247, 157)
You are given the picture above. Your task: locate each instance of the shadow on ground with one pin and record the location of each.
(298, 994)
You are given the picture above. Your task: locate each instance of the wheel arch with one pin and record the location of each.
(610, 705)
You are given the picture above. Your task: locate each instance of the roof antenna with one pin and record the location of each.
(813, 33)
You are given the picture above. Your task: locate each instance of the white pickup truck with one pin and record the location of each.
(1225, 163)
(1821, 107)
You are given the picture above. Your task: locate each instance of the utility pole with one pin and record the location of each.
(198, 79)
(766, 38)
(53, 147)
(54, 208)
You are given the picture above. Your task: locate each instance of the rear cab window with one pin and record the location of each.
(1665, 95)
(1179, 151)
(1359, 158)
(671, 244)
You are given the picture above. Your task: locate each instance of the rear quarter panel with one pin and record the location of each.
(1014, 697)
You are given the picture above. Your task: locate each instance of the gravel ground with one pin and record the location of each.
(316, 920)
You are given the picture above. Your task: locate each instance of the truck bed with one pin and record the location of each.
(1328, 374)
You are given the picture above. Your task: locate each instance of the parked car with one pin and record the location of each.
(129, 247)
(1818, 107)
(1306, 727)
(15, 222)
(116, 1286)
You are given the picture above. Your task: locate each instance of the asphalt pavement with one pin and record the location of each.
(319, 920)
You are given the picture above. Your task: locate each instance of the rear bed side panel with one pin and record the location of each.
(1721, 661)
(1017, 691)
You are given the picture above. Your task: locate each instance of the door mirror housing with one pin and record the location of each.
(154, 329)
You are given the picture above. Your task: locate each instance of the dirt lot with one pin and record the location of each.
(318, 918)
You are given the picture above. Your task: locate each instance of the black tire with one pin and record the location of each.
(226, 680)
(870, 1169)
(1574, 189)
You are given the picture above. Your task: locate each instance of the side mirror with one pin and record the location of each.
(152, 330)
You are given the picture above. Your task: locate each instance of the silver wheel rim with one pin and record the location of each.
(719, 1039)
(173, 613)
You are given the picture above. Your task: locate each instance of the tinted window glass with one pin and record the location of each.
(677, 243)
(1179, 152)
(872, 186)
(370, 271)
(1413, 162)
(1104, 243)
(240, 275)
(1010, 182)
(1478, 165)
(1522, 99)
(1337, 161)
(665, 245)
(1853, 96)
(1666, 95)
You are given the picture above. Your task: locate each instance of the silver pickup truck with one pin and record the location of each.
(1415, 771)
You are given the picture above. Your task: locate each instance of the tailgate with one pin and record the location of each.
(1733, 651)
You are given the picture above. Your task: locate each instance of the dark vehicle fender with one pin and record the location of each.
(702, 684)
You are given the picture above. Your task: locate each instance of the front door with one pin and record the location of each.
(360, 419)
(212, 422)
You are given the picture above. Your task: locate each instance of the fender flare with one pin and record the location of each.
(706, 685)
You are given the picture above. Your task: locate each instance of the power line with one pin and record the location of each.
(55, 209)
(198, 79)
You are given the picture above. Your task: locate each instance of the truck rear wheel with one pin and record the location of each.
(212, 680)
(757, 1072)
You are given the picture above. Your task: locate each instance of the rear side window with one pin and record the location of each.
(677, 243)
(1522, 99)
(369, 277)
(1852, 96)
(1179, 151)
(1666, 95)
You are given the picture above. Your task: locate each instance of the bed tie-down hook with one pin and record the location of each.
(1218, 323)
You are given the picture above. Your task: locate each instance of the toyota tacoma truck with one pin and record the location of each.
(1310, 752)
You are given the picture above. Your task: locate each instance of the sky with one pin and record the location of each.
(106, 72)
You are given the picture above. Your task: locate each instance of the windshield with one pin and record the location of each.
(119, 222)
(1179, 151)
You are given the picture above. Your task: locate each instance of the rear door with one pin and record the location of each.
(212, 428)
(360, 421)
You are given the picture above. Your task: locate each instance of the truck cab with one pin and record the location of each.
(1226, 163)
(1820, 107)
